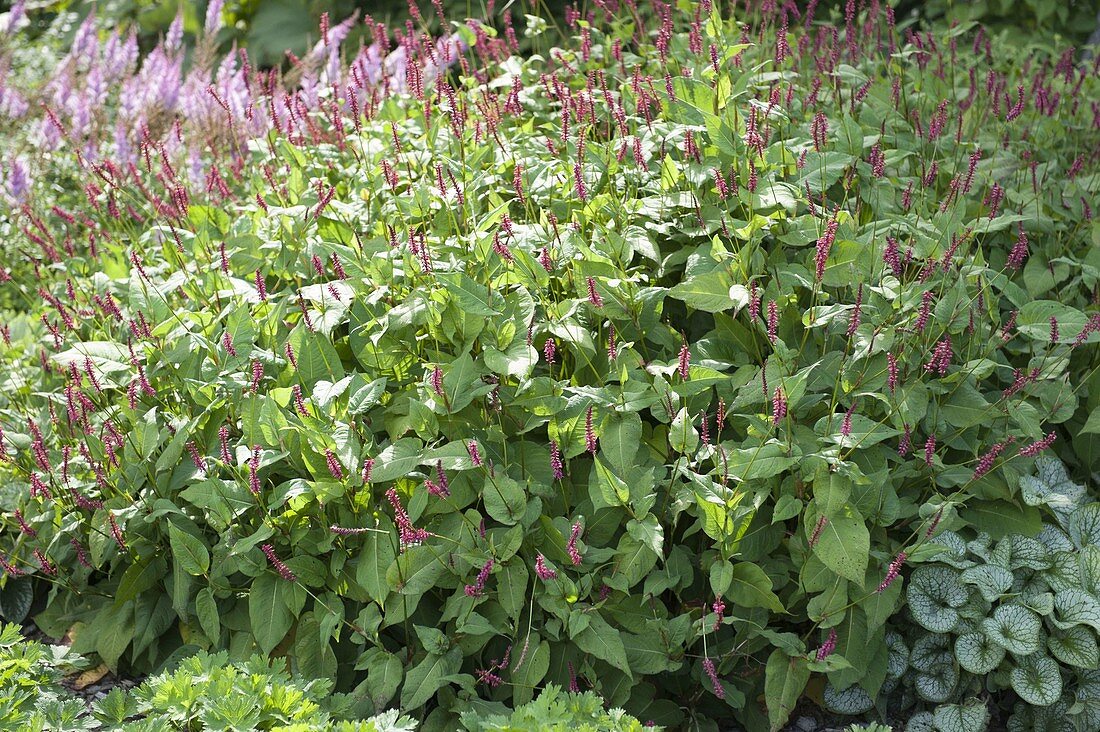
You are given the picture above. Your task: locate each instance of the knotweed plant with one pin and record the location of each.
(649, 365)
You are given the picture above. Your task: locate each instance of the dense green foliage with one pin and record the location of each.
(695, 364)
(208, 692)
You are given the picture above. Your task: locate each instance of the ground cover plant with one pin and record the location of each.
(685, 363)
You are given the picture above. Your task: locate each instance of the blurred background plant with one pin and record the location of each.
(270, 28)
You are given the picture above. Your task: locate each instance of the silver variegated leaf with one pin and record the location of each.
(1026, 552)
(920, 722)
(1089, 561)
(1054, 539)
(1055, 718)
(938, 683)
(1076, 607)
(1064, 572)
(1040, 602)
(969, 717)
(931, 650)
(1075, 647)
(1051, 487)
(991, 580)
(898, 660)
(980, 545)
(977, 653)
(954, 552)
(1014, 628)
(934, 595)
(1083, 526)
(1037, 680)
(850, 701)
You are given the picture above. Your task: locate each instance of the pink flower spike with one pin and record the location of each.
(555, 461)
(827, 647)
(543, 572)
(278, 564)
(684, 362)
(892, 572)
(571, 546)
(593, 295)
(712, 673)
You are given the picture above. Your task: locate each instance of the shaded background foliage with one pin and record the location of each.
(269, 28)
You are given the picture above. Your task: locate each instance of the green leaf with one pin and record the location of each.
(1033, 320)
(681, 433)
(505, 499)
(603, 642)
(397, 460)
(1002, 518)
(966, 407)
(375, 559)
(362, 395)
(384, 675)
(512, 587)
(517, 361)
(206, 610)
(268, 610)
(427, 677)
(113, 633)
(16, 598)
(188, 551)
(831, 493)
(415, 571)
(620, 438)
(721, 577)
(751, 587)
(472, 297)
(526, 678)
(844, 544)
(138, 577)
(613, 490)
(316, 357)
(785, 678)
(709, 292)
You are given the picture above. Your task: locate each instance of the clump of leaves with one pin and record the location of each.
(206, 691)
(556, 711)
(1019, 614)
(30, 694)
(645, 367)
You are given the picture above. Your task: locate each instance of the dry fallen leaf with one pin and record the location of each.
(90, 676)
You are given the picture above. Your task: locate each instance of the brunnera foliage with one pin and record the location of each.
(648, 366)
